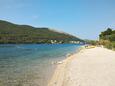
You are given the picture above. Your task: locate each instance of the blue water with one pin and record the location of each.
(30, 64)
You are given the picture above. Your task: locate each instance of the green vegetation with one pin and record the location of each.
(13, 33)
(107, 38)
(91, 42)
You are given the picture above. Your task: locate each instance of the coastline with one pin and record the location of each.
(34, 65)
(59, 72)
(81, 68)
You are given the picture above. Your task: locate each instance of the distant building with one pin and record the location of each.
(53, 41)
(75, 42)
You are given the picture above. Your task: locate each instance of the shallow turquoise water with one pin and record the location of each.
(30, 64)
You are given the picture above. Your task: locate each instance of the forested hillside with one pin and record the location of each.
(13, 33)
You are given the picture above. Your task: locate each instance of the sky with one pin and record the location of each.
(82, 18)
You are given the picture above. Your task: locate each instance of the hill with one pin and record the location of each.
(13, 33)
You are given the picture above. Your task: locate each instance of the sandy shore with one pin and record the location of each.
(89, 67)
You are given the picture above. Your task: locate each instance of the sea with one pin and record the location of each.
(31, 64)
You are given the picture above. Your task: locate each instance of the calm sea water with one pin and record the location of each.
(30, 64)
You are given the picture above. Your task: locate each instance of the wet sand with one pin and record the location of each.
(89, 67)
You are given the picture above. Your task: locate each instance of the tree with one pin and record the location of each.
(108, 31)
(105, 34)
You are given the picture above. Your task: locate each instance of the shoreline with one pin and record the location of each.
(58, 75)
(78, 68)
